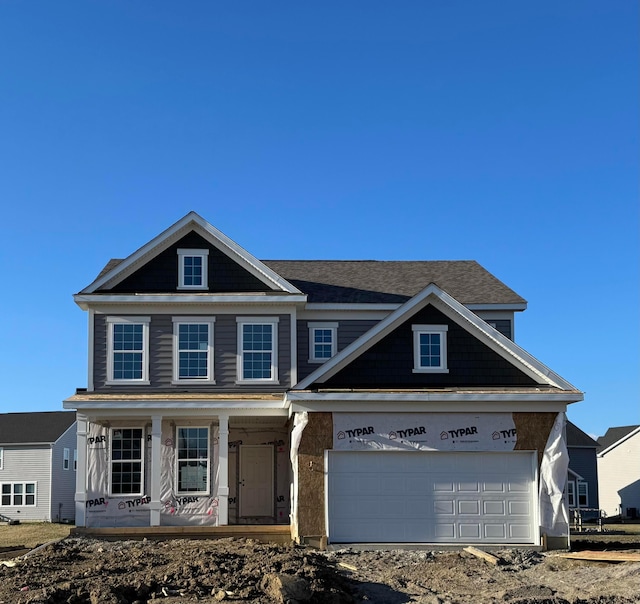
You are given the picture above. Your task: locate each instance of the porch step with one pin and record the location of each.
(276, 533)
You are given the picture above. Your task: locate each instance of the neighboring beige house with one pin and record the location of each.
(619, 472)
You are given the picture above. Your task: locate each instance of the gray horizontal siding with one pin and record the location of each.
(28, 464)
(348, 331)
(161, 357)
(63, 486)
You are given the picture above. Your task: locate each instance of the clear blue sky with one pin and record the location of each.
(505, 132)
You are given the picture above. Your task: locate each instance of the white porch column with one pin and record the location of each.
(156, 442)
(81, 470)
(223, 470)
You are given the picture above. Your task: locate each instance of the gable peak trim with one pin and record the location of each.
(192, 222)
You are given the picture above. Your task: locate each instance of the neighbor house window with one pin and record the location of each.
(18, 494)
(322, 341)
(430, 348)
(192, 460)
(583, 495)
(193, 349)
(571, 493)
(192, 269)
(257, 350)
(128, 350)
(66, 458)
(126, 461)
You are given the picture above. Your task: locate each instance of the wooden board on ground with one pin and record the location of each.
(603, 556)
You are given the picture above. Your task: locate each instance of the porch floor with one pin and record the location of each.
(273, 533)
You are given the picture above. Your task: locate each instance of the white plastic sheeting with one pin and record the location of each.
(186, 508)
(554, 518)
(300, 420)
(103, 510)
(424, 432)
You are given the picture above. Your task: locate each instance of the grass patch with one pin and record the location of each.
(32, 534)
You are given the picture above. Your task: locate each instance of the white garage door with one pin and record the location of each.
(431, 497)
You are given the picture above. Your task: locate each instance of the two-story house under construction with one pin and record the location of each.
(356, 401)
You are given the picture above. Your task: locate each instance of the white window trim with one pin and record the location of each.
(273, 321)
(585, 487)
(177, 321)
(418, 330)
(333, 327)
(144, 321)
(201, 253)
(571, 493)
(66, 458)
(1, 458)
(142, 461)
(75, 460)
(177, 459)
(24, 494)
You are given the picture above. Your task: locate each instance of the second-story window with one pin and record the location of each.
(430, 348)
(193, 349)
(257, 349)
(192, 269)
(128, 346)
(322, 341)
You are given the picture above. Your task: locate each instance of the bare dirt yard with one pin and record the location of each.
(89, 571)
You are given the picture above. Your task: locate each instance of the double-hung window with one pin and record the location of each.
(66, 461)
(430, 349)
(192, 460)
(322, 341)
(128, 350)
(583, 494)
(18, 494)
(257, 349)
(192, 269)
(193, 349)
(126, 461)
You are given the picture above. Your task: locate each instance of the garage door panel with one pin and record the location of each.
(417, 499)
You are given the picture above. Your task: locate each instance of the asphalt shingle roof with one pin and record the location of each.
(387, 281)
(380, 281)
(578, 438)
(36, 427)
(613, 435)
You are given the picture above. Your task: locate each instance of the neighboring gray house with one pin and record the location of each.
(582, 482)
(38, 458)
(619, 471)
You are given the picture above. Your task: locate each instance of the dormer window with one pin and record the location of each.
(430, 348)
(192, 269)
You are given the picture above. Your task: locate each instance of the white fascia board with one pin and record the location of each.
(575, 474)
(239, 407)
(432, 294)
(211, 234)
(85, 300)
(429, 402)
(619, 442)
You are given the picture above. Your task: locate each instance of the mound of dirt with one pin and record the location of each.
(89, 571)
